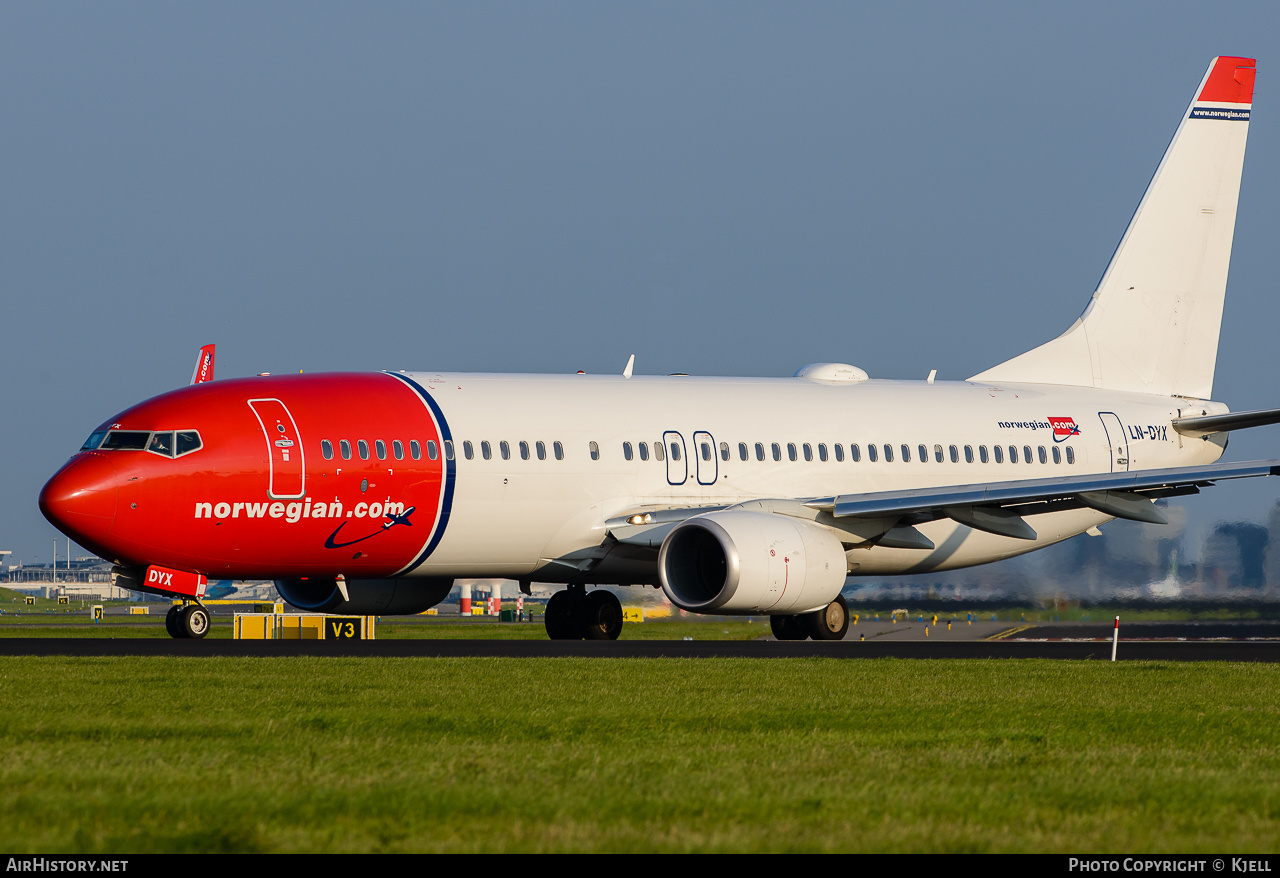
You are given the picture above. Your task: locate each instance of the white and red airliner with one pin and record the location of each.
(371, 493)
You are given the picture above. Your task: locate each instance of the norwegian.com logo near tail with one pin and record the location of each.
(1064, 428)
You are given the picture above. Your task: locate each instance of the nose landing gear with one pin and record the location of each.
(187, 620)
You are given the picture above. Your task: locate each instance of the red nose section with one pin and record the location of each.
(80, 500)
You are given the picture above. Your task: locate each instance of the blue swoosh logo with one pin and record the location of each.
(392, 521)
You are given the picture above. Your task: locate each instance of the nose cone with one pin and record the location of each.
(80, 500)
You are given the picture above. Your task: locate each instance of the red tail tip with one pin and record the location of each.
(1230, 81)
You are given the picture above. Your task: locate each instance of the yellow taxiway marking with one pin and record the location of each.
(1009, 632)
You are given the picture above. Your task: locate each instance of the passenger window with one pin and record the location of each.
(906, 454)
(742, 450)
(644, 450)
(791, 451)
(381, 448)
(486, 450)
(822, 452)
(448, 449)
(1044, 458)
(855, 452)
(706, 450)
(189, 441)
(759, 451)
(658, 452)
(363, 447)
(432, 450)
(808, 452)
(504, 448)
(999, 454)
(1071, 455)
(871, 453)
(968, 454)
(397, 448)
(326, 449)
(937, 453)
(982, 453)
(924, 453)
(626, 450)
(415, 450)
(675, 451)
(468, 450)
(1057, 455)
(524, 450)
(558, 449)
(839, 452)
(541, 448)
(724, 450)
(888, 453)
(955, 453)
(595, 450)
(1013, 454)
(162, 444)
(345, 446)
(1026, 454)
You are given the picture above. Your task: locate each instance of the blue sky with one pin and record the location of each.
(721, 188)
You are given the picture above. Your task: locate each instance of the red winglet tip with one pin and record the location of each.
(1230, 81)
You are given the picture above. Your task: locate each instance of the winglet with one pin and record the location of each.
(204, 365)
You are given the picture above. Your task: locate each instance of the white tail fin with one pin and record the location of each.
(1152, 325)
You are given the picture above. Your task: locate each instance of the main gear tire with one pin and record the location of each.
(829, 623)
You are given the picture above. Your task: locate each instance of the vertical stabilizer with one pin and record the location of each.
(1152, 324)
(204, 365)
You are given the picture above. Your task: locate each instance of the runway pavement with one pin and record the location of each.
(1142, 641)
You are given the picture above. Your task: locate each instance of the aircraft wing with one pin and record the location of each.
(995, 507)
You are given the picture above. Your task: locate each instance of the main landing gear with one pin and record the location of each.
(829, 623)
(187, 620)
(575, 614)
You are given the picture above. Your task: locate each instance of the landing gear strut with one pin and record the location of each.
(187, 621)
(575, 614)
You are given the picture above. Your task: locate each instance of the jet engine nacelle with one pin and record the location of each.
(368, 597)
(746, 563)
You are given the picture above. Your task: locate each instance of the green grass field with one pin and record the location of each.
(343, 754)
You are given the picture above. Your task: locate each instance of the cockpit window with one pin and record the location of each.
(126, 440)
(94, 440)
(188, 441)
(161, 443)
(166, 443)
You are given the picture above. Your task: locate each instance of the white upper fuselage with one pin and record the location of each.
(519, 513)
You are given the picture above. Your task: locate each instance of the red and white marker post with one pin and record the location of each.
(1115, 638)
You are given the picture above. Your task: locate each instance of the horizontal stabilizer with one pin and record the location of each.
(1206, 424)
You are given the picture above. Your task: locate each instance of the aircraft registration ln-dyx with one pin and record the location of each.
(371, 493)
